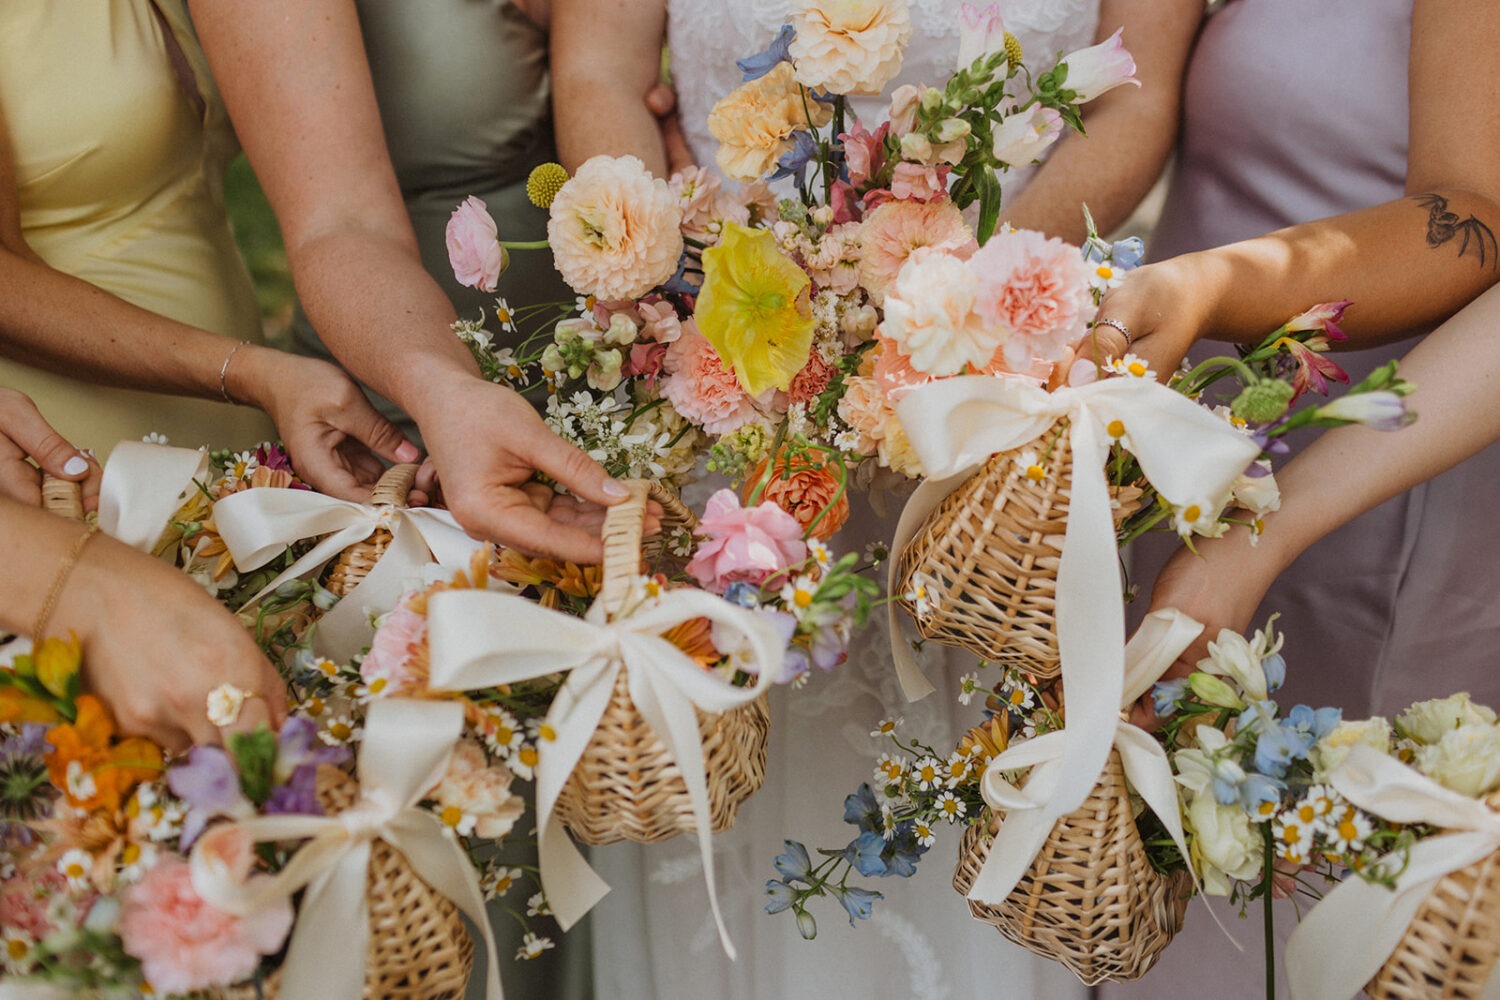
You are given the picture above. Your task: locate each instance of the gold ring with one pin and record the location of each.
(224, 703)
(1118, 326)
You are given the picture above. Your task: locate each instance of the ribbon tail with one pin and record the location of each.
(919, 506)
(331, 942)
(314, 560)
(447, 542)
(143, 486)
(1018, 841)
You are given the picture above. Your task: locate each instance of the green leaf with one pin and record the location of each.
(255, 755)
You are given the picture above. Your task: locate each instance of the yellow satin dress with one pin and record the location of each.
(121, 141)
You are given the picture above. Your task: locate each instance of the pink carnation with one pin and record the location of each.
(397, 642)
(810, 383)
(895, 229)
(744, 543)
(916, 182)
(701, 388)
(474, 249)
(185, 944)
(893, 370)
(1034, 290)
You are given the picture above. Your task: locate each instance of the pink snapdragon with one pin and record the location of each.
(864, 152)
(744, 543)
(1099, 68)
(474, 249)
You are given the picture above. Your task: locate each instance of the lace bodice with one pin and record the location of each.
(707, 36)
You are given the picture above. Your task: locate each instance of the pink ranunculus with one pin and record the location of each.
(915, 182)
(897, 228)
(980, 33)
(1035, 289)
(744, 543)
(398, 641)
(1099, 68)
(864, 152)
(474, 249)
(1022, 137)
(701, 388)
(186, 945)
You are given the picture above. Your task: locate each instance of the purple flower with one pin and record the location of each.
(299, 794)
(1313, 369)
(210, 785)
(297, 746)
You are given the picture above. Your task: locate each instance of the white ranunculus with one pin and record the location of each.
(1224, 843)
(1427, 721)
(1466, 759)
(1331, 750)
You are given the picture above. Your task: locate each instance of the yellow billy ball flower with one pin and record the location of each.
(1013, 49)
(544, 183)
(754, 309)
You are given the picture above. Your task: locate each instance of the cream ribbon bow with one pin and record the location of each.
(1190, 456)
(1343, 942)
(257, 525)
(143, 486)
(482, 639)
(1030, 812)
(404, 753)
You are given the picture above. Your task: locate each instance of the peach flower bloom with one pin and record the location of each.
(1034, 290)
(807, 490)
(893, 370)
(474, 796)
(701, 388)
(866, 409)
(897, 228)
(849, 46)
(930, 316)
(810, 383)
(615, 231)
(754, 123)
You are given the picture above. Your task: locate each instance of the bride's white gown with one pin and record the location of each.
(654, 938)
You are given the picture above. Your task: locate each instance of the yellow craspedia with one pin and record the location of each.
(544, 183)
(755, 310)
(1013, 49)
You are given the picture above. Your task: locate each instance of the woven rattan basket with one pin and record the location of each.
(419, 949)
(355, 562)
(1450, 949)
(1091, 899)
(987, 559)
(626, 786)
(62, 497)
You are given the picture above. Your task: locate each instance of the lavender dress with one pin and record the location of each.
(1293, 112)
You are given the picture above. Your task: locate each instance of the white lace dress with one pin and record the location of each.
(654, 938)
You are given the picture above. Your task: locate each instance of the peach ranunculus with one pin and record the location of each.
(474, 797)
(184, 944)
(744, 543)
(754, 123)
(894, 230)
(1033, 290)
(803, 486)
(474, 249)
(849, 46)
(701, 387)
(615, 231)
(930, 316)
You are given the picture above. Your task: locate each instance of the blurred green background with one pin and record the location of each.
(259, 238)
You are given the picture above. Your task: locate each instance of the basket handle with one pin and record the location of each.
(624, 524)
(62, 497)
(394, 486)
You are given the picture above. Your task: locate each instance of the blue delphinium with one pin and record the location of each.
(794, 863)
(862, 810)
(783, 896)
(858, 903)
(1166, 694)
(779, 51)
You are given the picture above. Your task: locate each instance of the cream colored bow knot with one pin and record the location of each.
(404, 753)
(143, 486)
(1189, 455)
(1343, 942)
(258, 525)
(1160, 640)
(482, 639)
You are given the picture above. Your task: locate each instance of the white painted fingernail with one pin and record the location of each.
(75, 466)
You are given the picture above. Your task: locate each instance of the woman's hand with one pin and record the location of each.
(24, 433)
(335, 437)
(1167, 308)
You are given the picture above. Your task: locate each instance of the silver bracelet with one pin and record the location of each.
(224, 370)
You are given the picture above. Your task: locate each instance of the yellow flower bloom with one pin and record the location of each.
(755, 310)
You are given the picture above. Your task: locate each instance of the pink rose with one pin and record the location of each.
(474, 249)
(744, 543)
(185, 944)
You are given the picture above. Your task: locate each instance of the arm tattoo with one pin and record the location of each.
(1444, 226)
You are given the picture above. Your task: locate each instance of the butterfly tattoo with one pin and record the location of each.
(1444, 226)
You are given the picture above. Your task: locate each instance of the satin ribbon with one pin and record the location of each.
(482, 639)
(1030, 810)
(258, 525)
(1189, 455)
(1343, 942)
(404, 754)
(143, 486)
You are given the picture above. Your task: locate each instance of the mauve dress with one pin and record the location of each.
(1296, 111)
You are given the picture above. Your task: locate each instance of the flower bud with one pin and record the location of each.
(1263, 402)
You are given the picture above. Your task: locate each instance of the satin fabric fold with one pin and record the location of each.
(143, 486)
(1342, 943)
(482, 639)
(403, 755)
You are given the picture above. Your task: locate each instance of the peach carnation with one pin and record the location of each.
(812, 381)
(865, 408)
(754, 123)
(615, 230)
(849, 46)
(896, 229)
(930, 316)
(804, 488)
(474, 796)
(1034, 291)
(701, 388)
(893, 371)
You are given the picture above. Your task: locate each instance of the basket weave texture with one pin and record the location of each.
(1091, 899)
(1450, 949)
(355, 562)
(626, 786)
(62, 497)
(988, 559)
(419, 949)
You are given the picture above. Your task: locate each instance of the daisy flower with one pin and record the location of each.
(890, 768)
(341, 730)
(950, 807)
(924, 834)
(532, 945)
(1198, 519)
(928, 773)
(956, 768)
(886, 727)
(1030, 466)
(968, 684)
(1294, 839)
(1131, 365)
(504, 316)
(500, 881)
(1018, 695)
(16, 950)
(537, 906)
(1105, 276)
(798, 595)
(155, 438)
(74, 866)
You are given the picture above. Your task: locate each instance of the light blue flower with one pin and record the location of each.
(794, 864)
(863, 811)
(1228, 777)
(1317, 723)
(1166, 694)
(1128, 253)
(1258, 789)
(793, 162)
(858, 903)
(746, 595)
(782, 896)
(1274, 667)
(756, 66)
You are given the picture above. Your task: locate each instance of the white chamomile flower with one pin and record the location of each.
(877, 552)
(819, 552)
(928, 773)
(537, 906)
(500, 881)
(136, 859)
(950, 807)
(890, 768)
(1105, 276)
(155, 438)
(968, 685)
(242, 465)
(377, 688)
(888, 821)
(799, 593)
(340, 730)
(1131, 365)
(74, 865)
(455, 818)
(502, 733)
(1018, 695)
(79, 781)
(1028, 465)
(1198, 518)
(1294, 839)
(17, 950)
(1322, 799)
(524, 761)
(532, 945)
(585, 306)
(1347, 829)
(887, 727)
(504, 316)
(924, 834)
(957, 768)
(919, 597)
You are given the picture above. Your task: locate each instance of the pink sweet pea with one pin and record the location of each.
(980, 33)
(1324, 316)
(1099, 68)
(474, 249)
(744, 543)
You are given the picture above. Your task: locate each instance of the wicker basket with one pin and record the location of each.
(419, 949)
(626, 786)
(988, 559)
(1450, 949)
(62, 497)
(354, 563)
(1091, 899)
